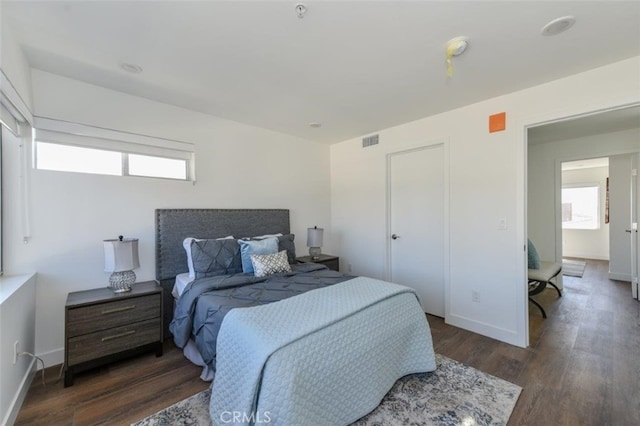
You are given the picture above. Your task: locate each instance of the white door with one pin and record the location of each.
(416, 223)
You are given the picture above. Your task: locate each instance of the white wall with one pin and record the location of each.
(486, 185)
(588, 243)
(237, 166)
(13, 62)
(17, 324)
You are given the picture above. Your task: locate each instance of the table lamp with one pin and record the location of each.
(120, 257)
(314, 242)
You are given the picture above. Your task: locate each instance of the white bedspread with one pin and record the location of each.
(326, 357)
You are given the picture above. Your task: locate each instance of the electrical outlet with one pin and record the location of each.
(15, 352)
(475, 296)
(349, 268)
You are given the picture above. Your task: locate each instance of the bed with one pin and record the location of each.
(306, 345)
(216, 295)
(172, 226)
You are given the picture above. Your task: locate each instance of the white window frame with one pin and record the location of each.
(74, 134)
(16, 117)
(598, 203)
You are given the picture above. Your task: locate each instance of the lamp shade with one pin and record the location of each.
(121, 255)
(314, 237)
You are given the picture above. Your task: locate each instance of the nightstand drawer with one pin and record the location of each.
(332, 264)
(101, 316)
(95, 345)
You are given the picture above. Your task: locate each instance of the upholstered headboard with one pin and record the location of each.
(174, 225)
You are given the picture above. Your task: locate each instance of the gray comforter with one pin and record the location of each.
(205, 302)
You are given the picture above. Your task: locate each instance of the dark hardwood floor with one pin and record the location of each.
(582, 368)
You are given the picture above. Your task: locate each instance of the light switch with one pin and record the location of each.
(502, 225)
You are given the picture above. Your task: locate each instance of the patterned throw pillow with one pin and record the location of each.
(268, 264)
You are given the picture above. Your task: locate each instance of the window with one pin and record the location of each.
(580, 207)
(65, 158)
(146, 165)
(71, 147)
(15, 130)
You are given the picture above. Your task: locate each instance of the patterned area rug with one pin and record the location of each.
(454, 394)
(573, 268)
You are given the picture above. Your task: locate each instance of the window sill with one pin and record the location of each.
(12, 283)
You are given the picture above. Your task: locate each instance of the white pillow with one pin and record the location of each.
(186, 243)
(268, 264)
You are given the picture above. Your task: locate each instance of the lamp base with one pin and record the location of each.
(314, 252)
(121, 282)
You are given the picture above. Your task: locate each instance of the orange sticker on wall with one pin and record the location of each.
(497, 122)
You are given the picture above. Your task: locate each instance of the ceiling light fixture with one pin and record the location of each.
(132, 68)
(558, 25)
(301, 10)
(455, 47)
(315, 125)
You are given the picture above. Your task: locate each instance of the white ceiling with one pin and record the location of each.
(585, 164)
(354, 66)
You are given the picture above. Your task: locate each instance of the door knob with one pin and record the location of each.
(395, 237)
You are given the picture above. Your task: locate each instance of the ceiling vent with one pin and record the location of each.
(370, 141)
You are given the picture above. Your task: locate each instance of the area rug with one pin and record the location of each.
(573, 268)
(454, 394)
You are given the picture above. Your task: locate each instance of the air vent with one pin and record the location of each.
(370, 141)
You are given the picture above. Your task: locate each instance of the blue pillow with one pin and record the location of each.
(533, 257)
(247, 248)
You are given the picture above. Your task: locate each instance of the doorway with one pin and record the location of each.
(585, 212)
(416, 221)
(605, 134)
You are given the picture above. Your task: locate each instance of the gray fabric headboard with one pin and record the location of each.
(174, 225)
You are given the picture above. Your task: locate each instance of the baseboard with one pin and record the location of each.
(498, 333)
(18, 399)
(54, 357)
(580, 255)
(619, 277)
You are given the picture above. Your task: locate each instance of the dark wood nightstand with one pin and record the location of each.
(332, 262)
(102, 326)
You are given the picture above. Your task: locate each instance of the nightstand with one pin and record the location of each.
(332, 262)
(102, 326)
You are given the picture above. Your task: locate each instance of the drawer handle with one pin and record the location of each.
(124, 308)
(116, 336)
